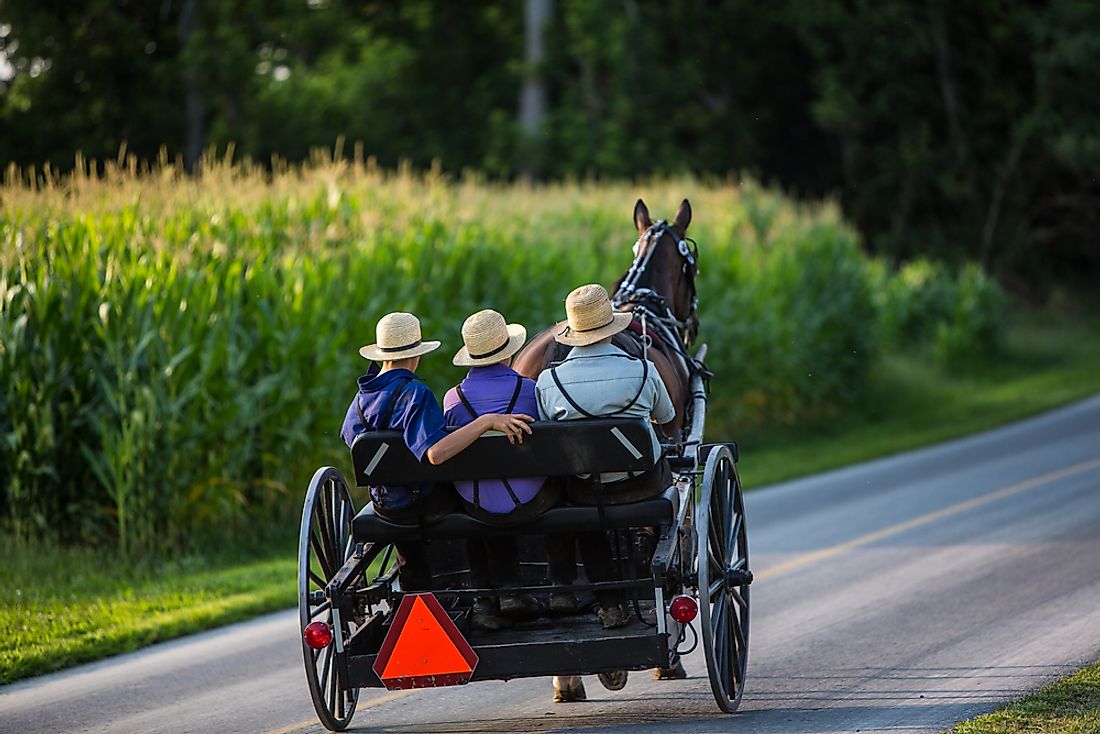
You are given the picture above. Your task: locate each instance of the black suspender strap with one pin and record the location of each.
(515, 396)
(362, 417)
(387, 416)
(466, 403)
(569, 398)
(511, 493)
(474, 414)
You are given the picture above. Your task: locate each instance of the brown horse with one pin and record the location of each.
(659, 288)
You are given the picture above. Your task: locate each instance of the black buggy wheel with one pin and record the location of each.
(724, 578)
(323, 546)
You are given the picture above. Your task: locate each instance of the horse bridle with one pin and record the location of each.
(650, 303)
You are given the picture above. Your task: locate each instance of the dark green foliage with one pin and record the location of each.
(959, 131)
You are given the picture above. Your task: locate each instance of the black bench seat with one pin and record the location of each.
(554, 448)
(369, 527)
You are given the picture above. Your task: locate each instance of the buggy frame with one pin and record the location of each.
(690, 540)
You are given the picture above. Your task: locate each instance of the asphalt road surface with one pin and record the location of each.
(904, 594)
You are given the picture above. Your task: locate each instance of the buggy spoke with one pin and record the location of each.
(329, 544)
(737, 676)
(332, 690)
(735, 595)
(324, 669)
(315, 540)
(320, 608)
(737, 633)
(317, 579)
(732, 539)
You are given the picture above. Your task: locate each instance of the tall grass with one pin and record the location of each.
(176, 353)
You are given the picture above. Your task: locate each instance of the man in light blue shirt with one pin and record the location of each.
(599, 380)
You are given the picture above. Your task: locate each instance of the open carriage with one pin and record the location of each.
(682, 561)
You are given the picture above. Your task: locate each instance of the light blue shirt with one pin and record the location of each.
(602, 379)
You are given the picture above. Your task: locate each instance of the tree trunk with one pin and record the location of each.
(194, 109)
(532, 102)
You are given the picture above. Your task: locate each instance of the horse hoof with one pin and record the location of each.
(676, 672)
(613, 681)
(569, 690)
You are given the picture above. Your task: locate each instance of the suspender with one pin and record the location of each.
(473, 415)
(569, 398)
(470, 408)
(585, 413)
(387, 415)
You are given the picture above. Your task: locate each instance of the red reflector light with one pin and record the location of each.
(318, 635)
(683, 608)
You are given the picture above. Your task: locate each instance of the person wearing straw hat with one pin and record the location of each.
(492, 386)
(393, 397)
(599, 380)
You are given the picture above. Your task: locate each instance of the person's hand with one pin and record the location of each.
(513, 426)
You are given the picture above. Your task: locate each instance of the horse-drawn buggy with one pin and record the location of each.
(681, 557)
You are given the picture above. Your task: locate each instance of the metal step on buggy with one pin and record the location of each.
(353, 612)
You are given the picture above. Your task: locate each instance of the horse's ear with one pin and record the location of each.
(683, 216)
(641, 216)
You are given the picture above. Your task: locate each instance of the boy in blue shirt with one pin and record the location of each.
(393, 397)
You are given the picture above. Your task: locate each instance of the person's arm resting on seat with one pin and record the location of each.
(513, 426)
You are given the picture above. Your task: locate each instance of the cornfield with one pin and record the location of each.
(176, 353)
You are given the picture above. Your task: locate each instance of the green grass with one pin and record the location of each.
(1048, 360)
(1069, 706)
(63, 606)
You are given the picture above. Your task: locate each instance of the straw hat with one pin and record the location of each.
(398, 336)
(488, 339)
(590, 317)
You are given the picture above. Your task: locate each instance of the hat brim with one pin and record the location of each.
(374, 353)
(517, 335)
(564, 335)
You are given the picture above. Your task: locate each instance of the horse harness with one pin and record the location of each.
(650, 307)
(631, 292)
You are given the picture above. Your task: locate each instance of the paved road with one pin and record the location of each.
(899, 595)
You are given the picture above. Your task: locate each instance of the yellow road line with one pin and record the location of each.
(359, 707)
(807, 559)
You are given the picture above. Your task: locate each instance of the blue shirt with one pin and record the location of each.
(489, 390)
(415, 413)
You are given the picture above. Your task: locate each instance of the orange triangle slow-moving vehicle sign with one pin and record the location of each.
(423, 647)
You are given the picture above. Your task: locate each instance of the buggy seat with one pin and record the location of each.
(554, 448)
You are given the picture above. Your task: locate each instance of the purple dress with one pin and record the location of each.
(490, 390)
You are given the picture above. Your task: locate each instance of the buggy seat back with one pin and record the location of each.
(554, 448)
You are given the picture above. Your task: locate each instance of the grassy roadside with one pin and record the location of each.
(60, 607)
(1047, 361)
(64, 606)
(1067, 706)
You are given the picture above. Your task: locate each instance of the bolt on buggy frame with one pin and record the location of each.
(689, 540)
